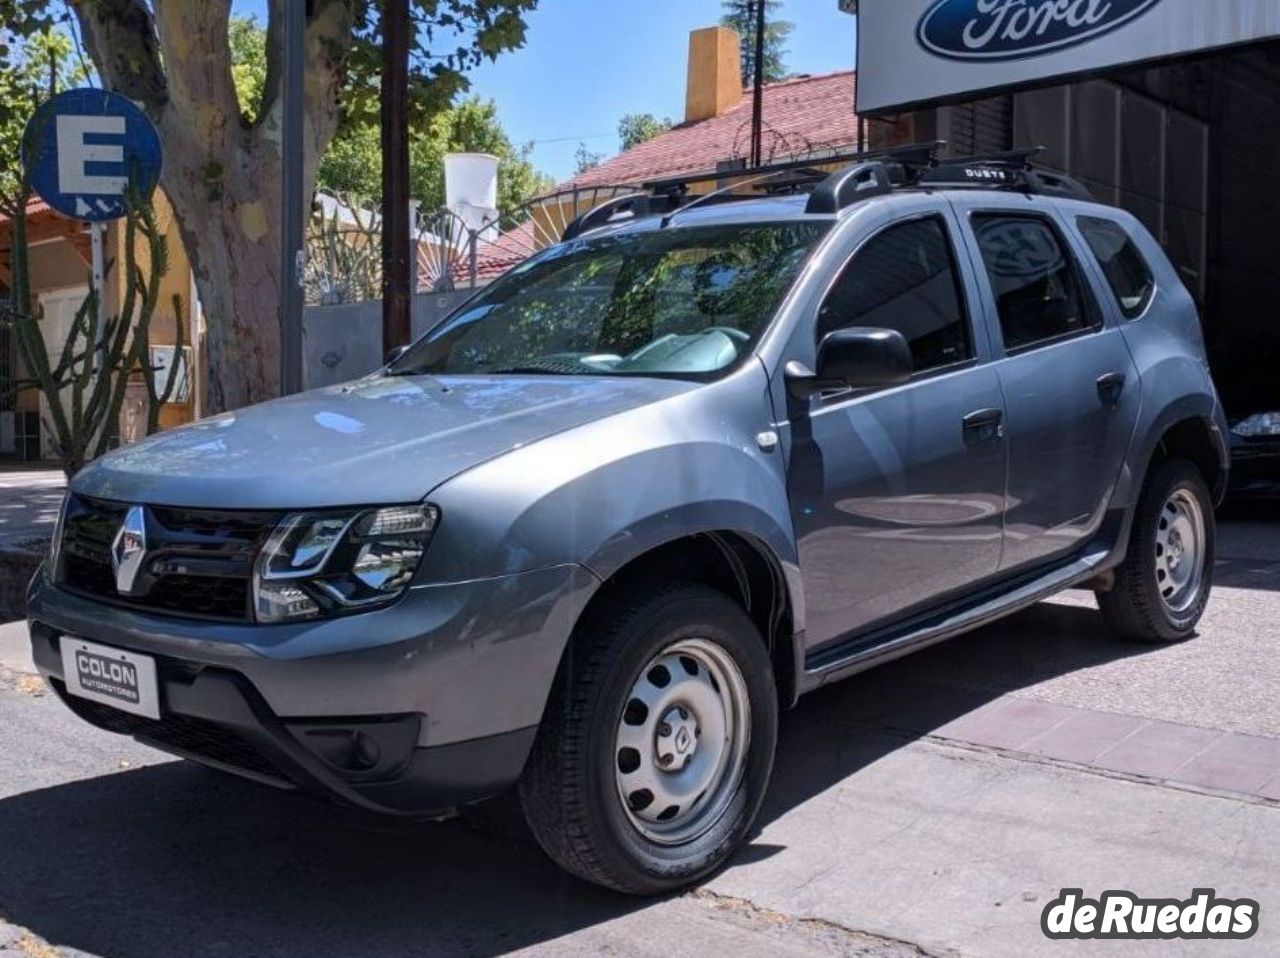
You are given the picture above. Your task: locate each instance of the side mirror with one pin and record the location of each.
(395, 353)
(860, 356)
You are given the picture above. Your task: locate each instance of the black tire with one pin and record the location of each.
(569, 790)
(1134, 608)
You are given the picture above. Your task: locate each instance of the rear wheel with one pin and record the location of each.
(1163, 586)
(657, 744)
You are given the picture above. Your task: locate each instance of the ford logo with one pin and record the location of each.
(1014, 29)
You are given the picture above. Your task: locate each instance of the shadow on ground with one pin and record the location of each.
(1249, 545)
(174, 860)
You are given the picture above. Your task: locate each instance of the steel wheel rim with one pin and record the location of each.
(681, 746)
(1181, 549)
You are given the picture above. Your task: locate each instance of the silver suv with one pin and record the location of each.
(594, 530)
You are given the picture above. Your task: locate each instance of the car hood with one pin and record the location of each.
(381, 439)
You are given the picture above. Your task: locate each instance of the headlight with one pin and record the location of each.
(1263, 424)
(325, 563)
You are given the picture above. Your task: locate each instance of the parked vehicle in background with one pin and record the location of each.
(592, 532)
(1255, 456)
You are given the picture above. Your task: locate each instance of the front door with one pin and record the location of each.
(897, 495)
(1070, 385)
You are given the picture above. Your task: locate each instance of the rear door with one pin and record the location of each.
(1070, 386)
(897, 494)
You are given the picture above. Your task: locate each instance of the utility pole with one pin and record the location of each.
(757, 101)
(292, 217)
(397, 33)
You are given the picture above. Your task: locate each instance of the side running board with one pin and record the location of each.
(875, 648)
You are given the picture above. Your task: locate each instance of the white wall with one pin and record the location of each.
(340, 343)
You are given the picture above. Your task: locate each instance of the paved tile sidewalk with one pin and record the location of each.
(1183, 754)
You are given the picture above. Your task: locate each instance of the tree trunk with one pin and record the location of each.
(221, 172)
(233, 245)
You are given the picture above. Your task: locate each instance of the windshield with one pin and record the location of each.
(684, 302)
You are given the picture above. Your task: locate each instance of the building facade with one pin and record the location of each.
(60, 276)
(1167, 108)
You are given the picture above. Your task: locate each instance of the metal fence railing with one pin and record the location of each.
(344, 243)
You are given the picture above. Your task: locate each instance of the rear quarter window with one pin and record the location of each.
(1127, 272)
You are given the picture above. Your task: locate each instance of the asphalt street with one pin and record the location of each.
(931, 807)
(29, 501)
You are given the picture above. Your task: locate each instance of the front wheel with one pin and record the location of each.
(1162, 587)
(656, 748)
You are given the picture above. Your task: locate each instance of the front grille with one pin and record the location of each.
(194, 736)
(199, 562)
(204, 596)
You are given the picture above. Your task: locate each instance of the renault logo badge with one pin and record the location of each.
(129, 549)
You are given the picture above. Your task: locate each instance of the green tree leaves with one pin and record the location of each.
(636, 128)
(248, 44)
(32, 68)
(352, 163)
(740, 16)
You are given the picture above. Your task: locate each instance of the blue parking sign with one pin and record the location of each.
(84, 149)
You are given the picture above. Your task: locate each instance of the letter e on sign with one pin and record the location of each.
(86, 150)
(75, 155)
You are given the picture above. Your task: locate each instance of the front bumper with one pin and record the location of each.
(414, 709)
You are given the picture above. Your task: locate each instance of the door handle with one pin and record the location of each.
(1110, 387)
(984, 425)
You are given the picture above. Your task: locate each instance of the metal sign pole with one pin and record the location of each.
(97, 259)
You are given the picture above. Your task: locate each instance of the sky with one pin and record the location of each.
(585, 63)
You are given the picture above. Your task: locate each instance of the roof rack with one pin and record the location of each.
(863, 176)
(671, 194)
(1010, 170)
(632, 205)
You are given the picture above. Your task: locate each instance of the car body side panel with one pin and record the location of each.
(890, 502)
(1066, 445)
(608, 492)
(893, 505)
(1167, 345)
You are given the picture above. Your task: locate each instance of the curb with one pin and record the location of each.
(15, 648)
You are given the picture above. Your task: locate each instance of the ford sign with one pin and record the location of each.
(1015, 29)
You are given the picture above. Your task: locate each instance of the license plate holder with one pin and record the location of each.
(111, 676)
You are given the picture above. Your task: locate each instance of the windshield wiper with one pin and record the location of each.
(533, 370)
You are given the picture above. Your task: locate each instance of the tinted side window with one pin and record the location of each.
(904, 279)
(1126, 271)
(1039, 293)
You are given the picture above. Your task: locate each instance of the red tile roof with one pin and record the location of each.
(35, 206)
(802, 115)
